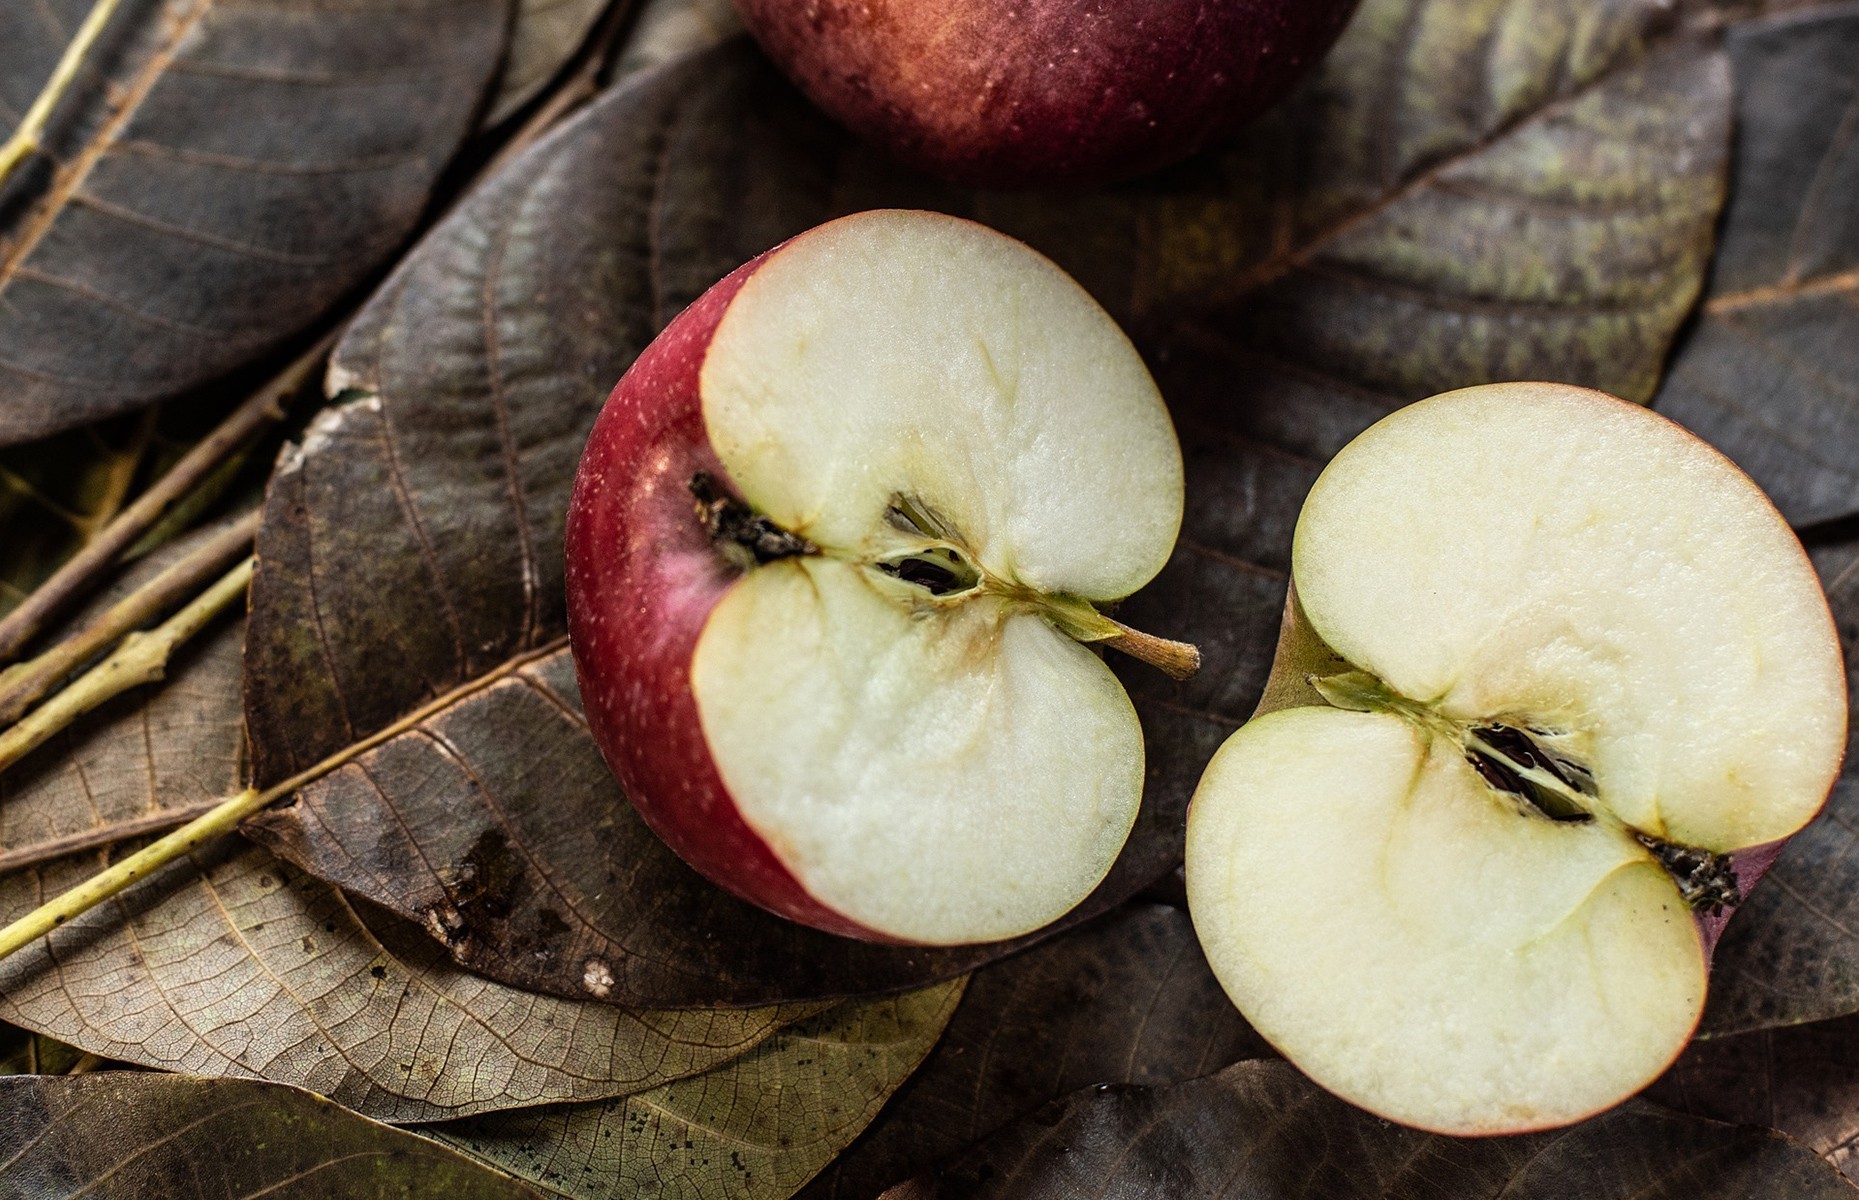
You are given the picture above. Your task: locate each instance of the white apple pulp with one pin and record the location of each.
(1582, 640)
(974, 451)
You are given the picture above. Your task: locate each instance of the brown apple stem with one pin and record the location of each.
(1178, 660)
(224, 817)
(142, 658)
(22, 685)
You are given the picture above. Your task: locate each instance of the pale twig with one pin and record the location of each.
(225, 817)
(26, 139)
(22, 684)
(82, 571)
(142, 658)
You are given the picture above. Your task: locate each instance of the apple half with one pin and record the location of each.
(1551, 668)
(835, 555)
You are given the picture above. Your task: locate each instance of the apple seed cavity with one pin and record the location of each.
(939, 567)
(1517, 761)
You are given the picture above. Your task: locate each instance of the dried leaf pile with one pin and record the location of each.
(456, 930)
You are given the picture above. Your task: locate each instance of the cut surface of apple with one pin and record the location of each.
(1549, 663)
(835, 553)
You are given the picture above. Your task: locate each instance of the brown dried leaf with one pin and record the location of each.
(1803, 1081)
(1261, 1129)
(233, 964)
(755, 1129)
(1125, 999)
(1768, 373)
(218, 176)
(122, 1135)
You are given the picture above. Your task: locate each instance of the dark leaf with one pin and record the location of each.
(1465, 195)
(413, 545)
(1261, 1129)
(1770, 373)
(546, 36)
(753, 1130)
(668, 29)
(233, 964)
(1126, 999)
(1803, 1081)
(122, 1135)
(1791, 954)
(218, 176)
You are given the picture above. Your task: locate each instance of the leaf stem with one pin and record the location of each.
(224, 817)
(142, 658)
(22, 684)
(25, 139)
(81, 573)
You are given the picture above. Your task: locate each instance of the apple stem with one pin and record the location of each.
(1178, 660)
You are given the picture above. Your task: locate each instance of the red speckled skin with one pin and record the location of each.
(642, 581)
(1044, 93)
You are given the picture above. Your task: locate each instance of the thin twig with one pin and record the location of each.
(224, 817)
(22, 684)
(102, 836)
(142, 658)
(87, 566)
(25, 139)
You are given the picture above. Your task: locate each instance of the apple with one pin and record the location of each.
(1554, 679)
(1043, 93)
(835, 554)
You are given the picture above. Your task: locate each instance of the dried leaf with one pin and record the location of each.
(233, 964)
(215, 180)
(669, 29)
(122, 1135)
(1125, 999)
(1790, 954)
(413, 545)
(754, 1130)
(1261, 1129)
(546, 36)
(1467, 193)
(1803, 1081)
(1770, 373)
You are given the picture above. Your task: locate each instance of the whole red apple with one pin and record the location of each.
(834, 551)
(1044, 93)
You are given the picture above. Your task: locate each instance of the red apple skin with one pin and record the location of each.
(1044, 93)
(642, 579)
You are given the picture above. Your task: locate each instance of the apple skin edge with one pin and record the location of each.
(1044, 93)
(1302, 653)
(642, 580)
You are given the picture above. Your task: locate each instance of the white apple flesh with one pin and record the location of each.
(1550, 661)
(849, 680)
